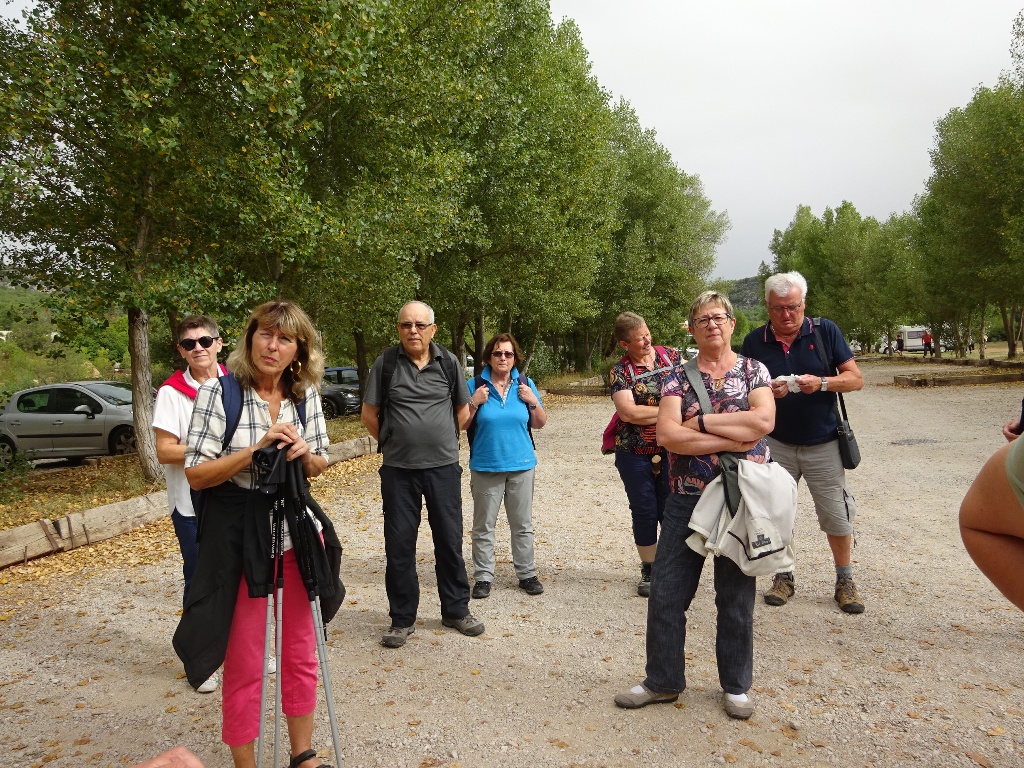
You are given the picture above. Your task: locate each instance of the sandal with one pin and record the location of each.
(302, 757)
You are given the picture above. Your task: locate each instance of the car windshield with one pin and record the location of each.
(113, 392)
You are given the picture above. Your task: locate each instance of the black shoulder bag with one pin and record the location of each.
(848, 449)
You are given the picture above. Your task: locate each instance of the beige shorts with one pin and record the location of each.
(821, 467)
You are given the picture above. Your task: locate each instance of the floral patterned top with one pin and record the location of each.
(691, 474)
(646, 385)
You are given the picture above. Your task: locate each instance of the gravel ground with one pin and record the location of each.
(929, 675)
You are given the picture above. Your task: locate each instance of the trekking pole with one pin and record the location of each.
(275, 547)
(279, 605)
(304, 548)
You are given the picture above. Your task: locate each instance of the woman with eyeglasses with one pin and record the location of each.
(636, 382)
(277, 364)
(505, 407)
(739, 389)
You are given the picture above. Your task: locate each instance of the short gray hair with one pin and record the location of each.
(710, 297)
(430, 309)
(625, 324)
(782, 283)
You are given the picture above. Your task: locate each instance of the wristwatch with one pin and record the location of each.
(824, 384)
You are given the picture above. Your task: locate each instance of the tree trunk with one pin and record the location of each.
(982, 338)
(478, 341)
(362, 369)
(142, 392)
(533, 348)
(588, 351)
(1009, 323)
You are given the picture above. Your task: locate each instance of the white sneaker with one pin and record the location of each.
(271, 665)
(210, 685)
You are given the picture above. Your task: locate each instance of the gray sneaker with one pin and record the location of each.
(467, 625)
(395, 637)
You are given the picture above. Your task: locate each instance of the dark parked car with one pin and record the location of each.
(67, 421)
(340, 391)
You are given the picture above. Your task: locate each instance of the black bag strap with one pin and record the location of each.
(829, 368)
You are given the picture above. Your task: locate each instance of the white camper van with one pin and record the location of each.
(912, 338)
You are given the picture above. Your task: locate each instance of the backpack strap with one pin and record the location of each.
(450, 371)
(478, 381)
(231, 397)
(389, 360)
(529, 413)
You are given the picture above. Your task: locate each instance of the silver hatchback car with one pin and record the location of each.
(66, 421)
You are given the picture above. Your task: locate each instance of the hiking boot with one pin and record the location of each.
(467, 625)
(847, 597)
(481, 589)
(783, 587)
(395, 637)
(531, 586)
(640, 696)
(643, 587)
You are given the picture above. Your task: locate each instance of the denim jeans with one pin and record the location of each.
(403, 492)
(646, 492)
(674, 580)
(185, 530)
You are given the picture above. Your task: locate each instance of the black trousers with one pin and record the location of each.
(403, 492)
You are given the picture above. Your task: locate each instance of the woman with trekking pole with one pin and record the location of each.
(271, 403)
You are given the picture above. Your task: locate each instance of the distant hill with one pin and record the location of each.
(747, 293)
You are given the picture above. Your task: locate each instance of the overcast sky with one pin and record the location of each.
(778, 104)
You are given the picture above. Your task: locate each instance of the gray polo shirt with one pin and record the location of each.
(420, 423)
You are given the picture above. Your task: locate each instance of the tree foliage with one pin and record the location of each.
(176, 156)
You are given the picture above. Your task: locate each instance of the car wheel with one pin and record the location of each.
(6, 453)
(330, 409)
(122, 441)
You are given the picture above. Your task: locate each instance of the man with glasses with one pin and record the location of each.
(198, 344)
(805, 439)
(416, 402)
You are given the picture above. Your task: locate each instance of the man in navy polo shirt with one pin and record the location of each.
(805, 440)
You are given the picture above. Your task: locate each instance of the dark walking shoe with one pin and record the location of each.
(467, 625)
(531, 586)
(643, 587)
(847, 597)
(641, 696)
(481, 590)
(783, 587)
(395, 637)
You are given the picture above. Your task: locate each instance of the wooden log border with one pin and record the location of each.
(45, 537)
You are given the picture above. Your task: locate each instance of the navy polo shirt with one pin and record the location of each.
(801, 419)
